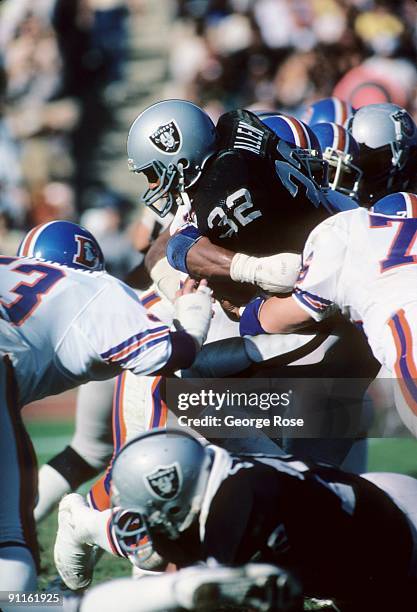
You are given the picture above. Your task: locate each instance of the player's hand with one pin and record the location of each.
(192, 286)
(231, 310)
(275, 274)
(193, 309)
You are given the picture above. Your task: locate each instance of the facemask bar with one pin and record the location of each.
(344, 168)
(315, 166)
(160, 199)
(132, 535)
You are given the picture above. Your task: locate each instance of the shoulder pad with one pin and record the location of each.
(242, 130)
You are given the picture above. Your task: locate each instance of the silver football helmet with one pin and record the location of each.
(387, 137)
(170, 142)
(158, 482)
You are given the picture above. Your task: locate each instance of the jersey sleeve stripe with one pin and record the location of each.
(313, 302)
(149, 344)
(127, 344)
(150, 299)
(124, 356)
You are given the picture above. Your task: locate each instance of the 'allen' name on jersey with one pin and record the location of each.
(248, 137)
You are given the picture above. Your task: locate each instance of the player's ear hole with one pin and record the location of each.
(174, 510)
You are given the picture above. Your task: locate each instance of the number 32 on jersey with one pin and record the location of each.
(240, 213)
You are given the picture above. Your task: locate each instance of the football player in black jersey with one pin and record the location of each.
(244, 193)
(248, 191)
(344, 536)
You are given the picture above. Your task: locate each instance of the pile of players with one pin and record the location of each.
(245, 197)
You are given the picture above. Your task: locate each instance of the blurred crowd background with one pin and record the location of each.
(75, 73)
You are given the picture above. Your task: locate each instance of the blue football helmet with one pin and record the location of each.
(401, 204)
(304, 143)
(65, 243)
(331, 110)
(341, 151)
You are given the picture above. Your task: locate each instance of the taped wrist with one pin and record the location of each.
(193, 314)
(243, 268)
(249, 321)
(166, 279)
(179, 245)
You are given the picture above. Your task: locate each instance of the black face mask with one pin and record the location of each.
(375, 163)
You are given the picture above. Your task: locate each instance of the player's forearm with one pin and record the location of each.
(194, 254)
(157, 250)
(273, 316)
(206, 260)
(283, 316)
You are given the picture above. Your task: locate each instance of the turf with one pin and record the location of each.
(50, 437)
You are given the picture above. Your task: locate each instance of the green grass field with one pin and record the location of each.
(50, 437)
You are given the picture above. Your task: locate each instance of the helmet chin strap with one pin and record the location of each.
(184, 198)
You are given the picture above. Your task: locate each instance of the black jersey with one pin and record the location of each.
(252, 197)
(338, 532)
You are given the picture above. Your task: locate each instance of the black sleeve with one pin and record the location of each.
(228, 520)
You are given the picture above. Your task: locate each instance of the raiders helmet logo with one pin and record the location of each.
(167, 138)
(165, 481)
(86, 253)
(407, 124)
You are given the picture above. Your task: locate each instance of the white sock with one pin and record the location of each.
(17, 569)
(18, 573)
(52, 486)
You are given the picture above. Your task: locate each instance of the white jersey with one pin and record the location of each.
(62, 327)
(363, 263)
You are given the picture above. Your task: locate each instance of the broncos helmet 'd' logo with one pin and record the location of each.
(86, 253)
(167, 138)
(165, 481)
